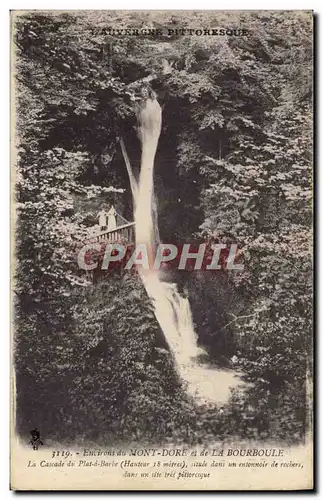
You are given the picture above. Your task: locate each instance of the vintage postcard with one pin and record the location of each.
(162, 250)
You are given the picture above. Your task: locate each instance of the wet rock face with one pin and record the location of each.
(212, 298)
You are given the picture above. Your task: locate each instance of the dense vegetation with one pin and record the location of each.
(234, 164)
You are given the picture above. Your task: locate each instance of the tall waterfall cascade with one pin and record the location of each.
(172, 311)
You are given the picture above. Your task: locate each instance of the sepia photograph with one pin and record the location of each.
(162, 250)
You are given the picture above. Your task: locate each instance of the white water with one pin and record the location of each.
(172, 311)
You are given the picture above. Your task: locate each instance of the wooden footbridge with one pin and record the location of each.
(124, 232)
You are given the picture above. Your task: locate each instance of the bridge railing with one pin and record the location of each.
(125, 232)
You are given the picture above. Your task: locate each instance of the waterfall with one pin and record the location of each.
(172, 311)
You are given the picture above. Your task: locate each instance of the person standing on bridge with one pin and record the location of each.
(112, 221)
(102, 216)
